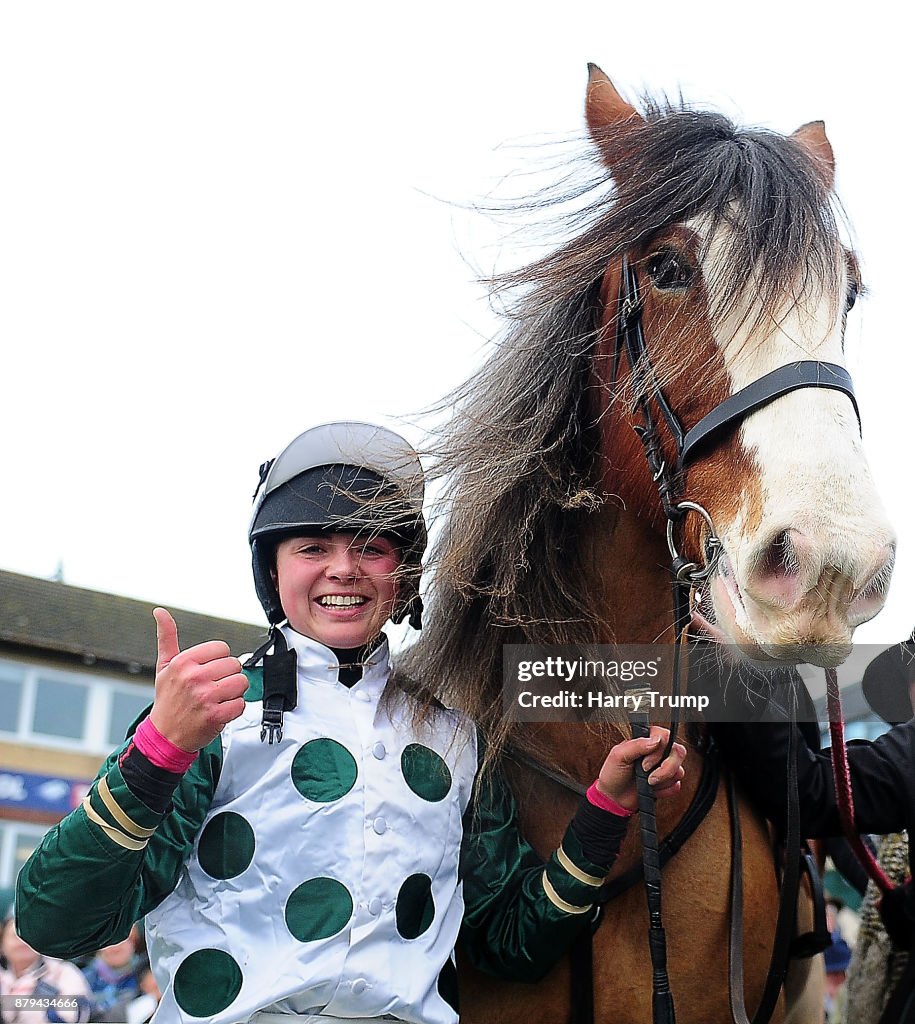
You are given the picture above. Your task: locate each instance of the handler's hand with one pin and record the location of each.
(617, 776)
(197, 691)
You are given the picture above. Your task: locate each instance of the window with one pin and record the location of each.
(126, 705)
(60, 709)
(74, 710)
(17, 840)
(12, 683)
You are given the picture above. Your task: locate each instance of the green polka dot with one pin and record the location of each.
(425, 772)
(318, 908)
(448, 985)
(323, 770)
(207, 982)
(226, 845)
(414, 909)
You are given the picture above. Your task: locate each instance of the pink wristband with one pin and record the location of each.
(161, 751)
(607, 803)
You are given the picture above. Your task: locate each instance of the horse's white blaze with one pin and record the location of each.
(814, 488)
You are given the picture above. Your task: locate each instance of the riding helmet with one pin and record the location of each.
(343, 476)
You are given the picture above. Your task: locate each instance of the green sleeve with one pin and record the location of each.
(520, 914)
(110, 861)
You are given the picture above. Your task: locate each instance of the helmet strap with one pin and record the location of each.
(280, 687)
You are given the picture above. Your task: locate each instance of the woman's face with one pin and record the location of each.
(19, 954)
(337, 588)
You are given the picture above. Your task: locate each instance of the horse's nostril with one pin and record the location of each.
(780, 558)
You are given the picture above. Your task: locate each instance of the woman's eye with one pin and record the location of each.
(669, 270)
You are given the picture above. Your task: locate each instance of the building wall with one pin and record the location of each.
(59, 718)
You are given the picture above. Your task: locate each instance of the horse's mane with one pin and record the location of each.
(518, 453)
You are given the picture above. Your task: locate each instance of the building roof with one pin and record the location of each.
(47, 616)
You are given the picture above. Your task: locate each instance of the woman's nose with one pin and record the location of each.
(343, 564)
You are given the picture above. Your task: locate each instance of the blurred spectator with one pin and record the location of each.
(882, 973)
(837, 957)
(24, 972)
(114, 978)
(136, 1009)
(877, 965)
(147, 1002)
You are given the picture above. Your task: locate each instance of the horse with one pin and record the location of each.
(555, 530)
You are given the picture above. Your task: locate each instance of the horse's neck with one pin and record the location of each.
(631, 584)
(631, 580)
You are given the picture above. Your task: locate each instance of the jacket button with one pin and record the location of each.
(359, 986)
(379, 750)
(380, 826)
(375, 906)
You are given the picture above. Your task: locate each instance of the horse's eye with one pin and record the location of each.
(669, 270)
(851, 295)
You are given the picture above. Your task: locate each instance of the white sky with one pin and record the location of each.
(222, 222)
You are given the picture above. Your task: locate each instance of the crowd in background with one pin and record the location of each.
(116, 985)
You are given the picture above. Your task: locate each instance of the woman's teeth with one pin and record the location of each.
(339, 601)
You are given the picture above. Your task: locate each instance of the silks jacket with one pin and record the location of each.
(330, 873)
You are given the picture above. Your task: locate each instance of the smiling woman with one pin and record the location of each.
(337, 587)
(353, 792)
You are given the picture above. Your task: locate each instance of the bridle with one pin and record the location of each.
(713, 427)
(689, 444)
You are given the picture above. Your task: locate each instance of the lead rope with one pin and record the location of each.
(630, 342)
(844, 797)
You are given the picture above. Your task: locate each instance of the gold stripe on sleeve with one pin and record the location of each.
(575, 871)
(119, 815)
(558, 901)
(113, 834)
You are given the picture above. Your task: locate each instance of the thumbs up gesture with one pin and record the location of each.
(197, 691)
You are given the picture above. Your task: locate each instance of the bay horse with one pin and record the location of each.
(555, 530)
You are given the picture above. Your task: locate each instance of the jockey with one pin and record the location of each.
(308, 834)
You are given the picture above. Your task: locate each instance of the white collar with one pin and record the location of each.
(319, 663)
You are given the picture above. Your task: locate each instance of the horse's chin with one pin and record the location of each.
(730, 626)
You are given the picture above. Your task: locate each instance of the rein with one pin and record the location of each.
(581, 962)
(686, 575)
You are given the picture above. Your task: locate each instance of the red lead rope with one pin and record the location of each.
(843, 785)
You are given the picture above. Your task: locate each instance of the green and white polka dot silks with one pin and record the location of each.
(325, 876)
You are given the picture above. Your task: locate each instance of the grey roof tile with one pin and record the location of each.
(45, 615)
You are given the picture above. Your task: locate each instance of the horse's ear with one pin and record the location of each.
(811, 137)
(607, 113)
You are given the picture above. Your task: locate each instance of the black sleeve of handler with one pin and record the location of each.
(882, 775)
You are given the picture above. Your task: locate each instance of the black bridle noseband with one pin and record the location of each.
(668, 478)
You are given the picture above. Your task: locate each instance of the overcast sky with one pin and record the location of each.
(223, 222)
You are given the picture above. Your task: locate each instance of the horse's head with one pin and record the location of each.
(740, 271)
